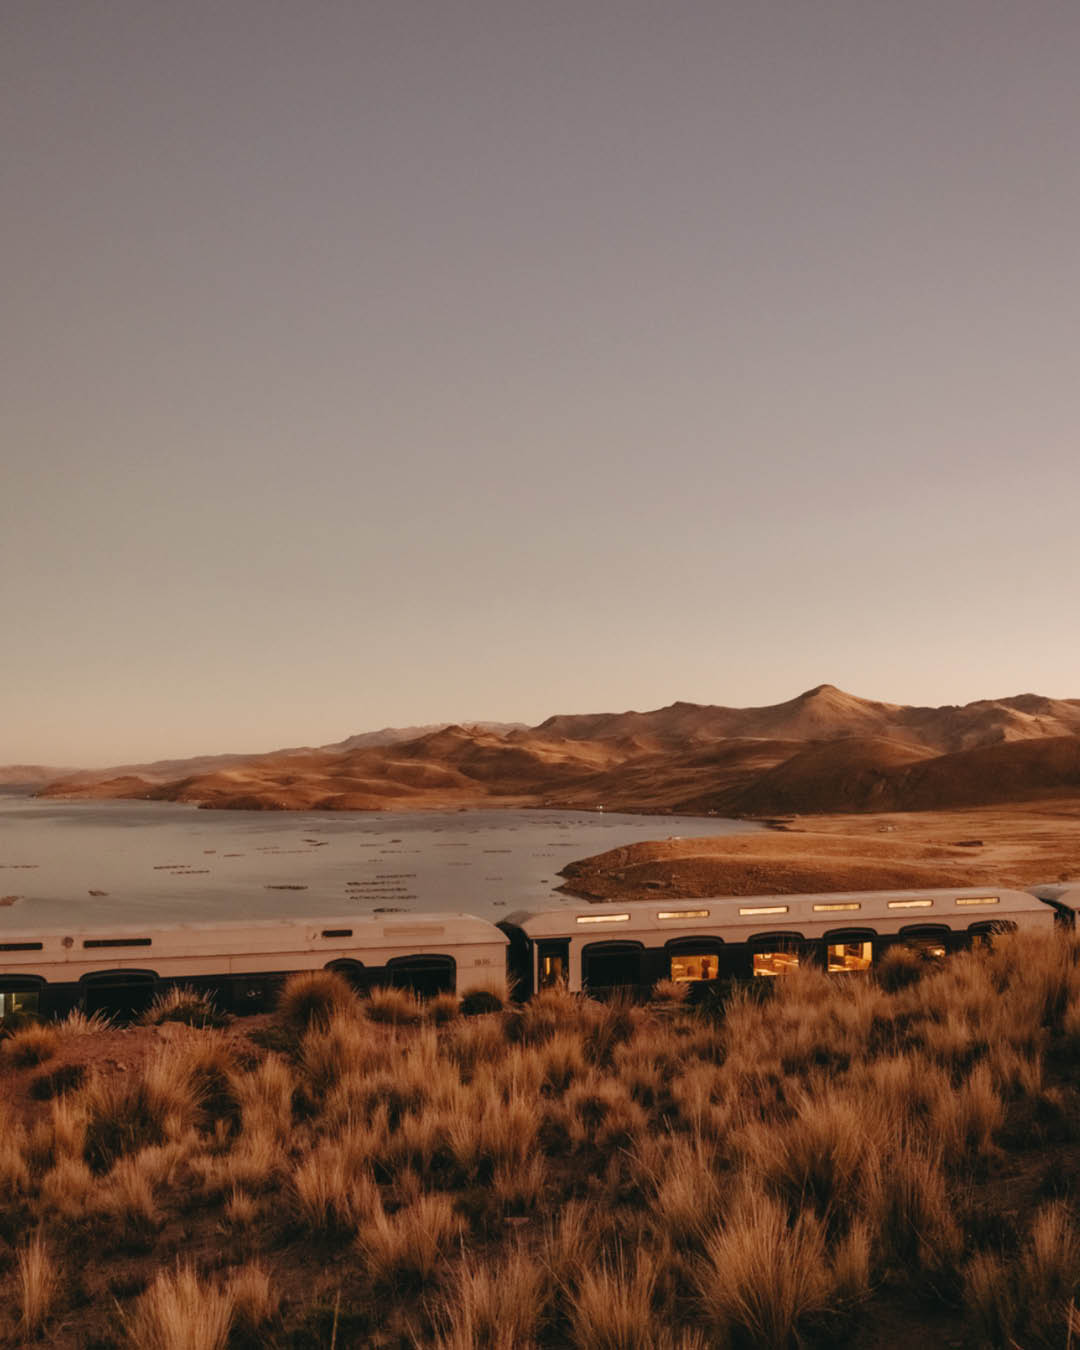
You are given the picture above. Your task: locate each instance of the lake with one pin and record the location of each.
(166, 862)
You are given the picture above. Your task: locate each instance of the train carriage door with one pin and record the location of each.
(552, 962)
(610, 965)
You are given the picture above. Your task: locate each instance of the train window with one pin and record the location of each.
(605, 965)
(778, 962)
(337, 932)
(683, 914)
(932, 940)
(16, 1002)
(424, 975)
(687, 966)
(832, 907)
(116, 942)
(20, 946)
(849, 955)
(977, 900)
(911, 904)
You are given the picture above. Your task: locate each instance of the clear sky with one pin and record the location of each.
(389, 362)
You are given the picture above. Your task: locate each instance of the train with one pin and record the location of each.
(594, 948)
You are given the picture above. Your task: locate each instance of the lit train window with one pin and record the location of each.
(603, 918)
(911, 904)
(683, 914)
(13, 1003)
(977, 900)
(764, 909)
(832, 907)
(686, 967)
(775, 963)
(849, 955)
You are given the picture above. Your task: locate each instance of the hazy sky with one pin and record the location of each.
(390, 362)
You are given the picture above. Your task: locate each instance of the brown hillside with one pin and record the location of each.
(825, 750)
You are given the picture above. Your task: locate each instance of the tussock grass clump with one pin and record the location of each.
(402, 1250)
(496, 1306)
(475, 1002)
(397, 1007)
(191, 1007)
(38, 1284)
(311, 998)
(31, 1044)
(55, 1082)
(900, 966)
(181, 1312)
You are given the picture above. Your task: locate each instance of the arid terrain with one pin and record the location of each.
(880, 1161)
(823, 752)
(1020, 845)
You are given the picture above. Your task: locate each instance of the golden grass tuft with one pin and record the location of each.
(31, 1044)
(38, 1284)
(311, 998)
(179, 1311)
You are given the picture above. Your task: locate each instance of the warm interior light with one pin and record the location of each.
(603, 918)
(977, 900)
(683, 914)
(765, 909)
(828, 909)
(688, 967)
(775, 963)
(849, 955)
(910, 904)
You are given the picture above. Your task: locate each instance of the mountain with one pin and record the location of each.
(824, 750)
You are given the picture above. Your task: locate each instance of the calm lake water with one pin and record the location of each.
(165, 862)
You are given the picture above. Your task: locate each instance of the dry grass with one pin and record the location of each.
(312, 997)
(31, 1044)
(181, 1312)
(569, 1173)
(38, 1283)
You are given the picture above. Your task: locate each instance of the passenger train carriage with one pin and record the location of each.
(596, 948)
(242, 962)
(635, 943)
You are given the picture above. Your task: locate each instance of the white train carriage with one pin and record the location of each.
(119, 968)
(632, 944)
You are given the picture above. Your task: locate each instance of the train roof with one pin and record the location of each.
(375, 930)
(840, 909)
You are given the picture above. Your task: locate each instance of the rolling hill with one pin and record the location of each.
(823, 751)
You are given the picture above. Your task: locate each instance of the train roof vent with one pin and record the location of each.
(414, 930)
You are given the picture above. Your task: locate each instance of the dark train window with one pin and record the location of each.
(116, 942)
(20, 946)
(424, 975)
(337, 932)
(610, 965)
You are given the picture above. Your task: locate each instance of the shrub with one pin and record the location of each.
(180, 1312)
(900, 967)
(402, 1250)
(38, 1282)
(45, 1086)
(179, 1004)
(441, 1009)
(612, 1306)
(398, 1007)
(255, 1300)
(493, 1305)
(311, 997)
(31, 1044)
(475, 1002)
(130, 1113)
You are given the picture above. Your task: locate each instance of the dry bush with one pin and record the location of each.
(560, 1061)
(441, 1009)
(686, 1200)
(242, 1210)
(988, 1298)
(670, 993)
(401, 1251)
(31, 1044)
(569, 1243)
(14, 1170)
(330, 1195)
(899, 967)
(180, 1312)
(909, 1210)
(475, 1042)
(398, 1007)
(764, 1276)
(611, 1307)
(66, 1189)
(178, 1003)
(78, 1023)
(310, 998)
(265, 1097)
(255, 1300)
(476, 1001)
(128, 1113)
(1048, 1272)
(38, 1283)
(493, 1305)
